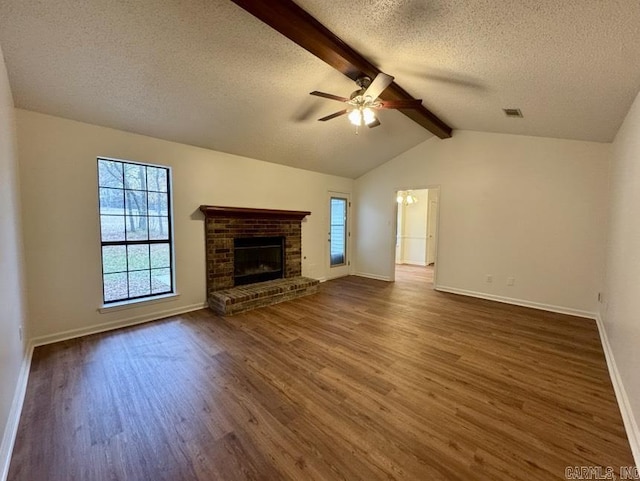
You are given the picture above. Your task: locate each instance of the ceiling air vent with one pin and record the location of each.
(513, 113)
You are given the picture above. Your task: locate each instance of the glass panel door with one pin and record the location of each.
(338, 232)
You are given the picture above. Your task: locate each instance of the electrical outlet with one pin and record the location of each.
(489, 278)
(600, 297)
(20, 332)
(511, 281)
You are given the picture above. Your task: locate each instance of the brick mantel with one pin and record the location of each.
(224, 224)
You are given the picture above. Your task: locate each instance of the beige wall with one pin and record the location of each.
(61, 229)
(620, 310)
(12, 349)
(510, 206)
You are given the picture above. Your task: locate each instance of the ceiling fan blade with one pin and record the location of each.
(333, 116)
(329, 96)
(373, 124)
(401, 104)
(381, 82)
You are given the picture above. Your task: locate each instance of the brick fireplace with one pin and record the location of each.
(226, 228)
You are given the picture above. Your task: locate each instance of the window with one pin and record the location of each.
(135, 227)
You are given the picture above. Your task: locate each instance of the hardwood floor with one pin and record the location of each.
(365, 380)
(406, 273)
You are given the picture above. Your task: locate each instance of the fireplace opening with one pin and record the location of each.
(257, 259)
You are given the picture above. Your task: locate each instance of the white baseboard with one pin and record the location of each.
(108, 326)
(412, 263)
(11, 428)
(518, 302)
(630, 424)
(373, 276)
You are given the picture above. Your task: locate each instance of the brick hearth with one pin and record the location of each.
(244, 298)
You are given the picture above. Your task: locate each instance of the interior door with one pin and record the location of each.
(338, 235)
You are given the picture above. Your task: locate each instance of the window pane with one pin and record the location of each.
(158, 228)
(136, 202)
(114, 259)
(109, 173)
(138, 256)
(157, 179)
(160, 255)
(338, 231)
(139, 283)
(112, 227)
(157, 203)
(135, 177)
(136, 227)
(160, 281)
(111, 201)
(115, 287)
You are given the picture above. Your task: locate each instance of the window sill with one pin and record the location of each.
(118, 306)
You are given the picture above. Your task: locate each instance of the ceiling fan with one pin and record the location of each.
(363, 103)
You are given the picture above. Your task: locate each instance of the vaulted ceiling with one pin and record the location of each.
(207, 73)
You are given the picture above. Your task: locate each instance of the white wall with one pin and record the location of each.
(621, 308)
(510, 206)
(61, 228)
(12, 312)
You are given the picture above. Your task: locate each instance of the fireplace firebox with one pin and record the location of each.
(257, 259)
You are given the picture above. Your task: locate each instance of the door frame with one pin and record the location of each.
(432, 227)
(392, 253)
(342, 270)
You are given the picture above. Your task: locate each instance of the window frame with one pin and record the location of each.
(148, 242)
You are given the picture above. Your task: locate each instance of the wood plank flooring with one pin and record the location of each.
(365, 380)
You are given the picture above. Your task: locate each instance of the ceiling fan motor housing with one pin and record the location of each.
(363, 82)
(357, 93)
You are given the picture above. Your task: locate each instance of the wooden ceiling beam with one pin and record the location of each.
(299, 26)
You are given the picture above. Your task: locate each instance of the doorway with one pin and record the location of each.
(339, 250)
(416, 234)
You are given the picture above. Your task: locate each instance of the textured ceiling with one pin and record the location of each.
(206, 73)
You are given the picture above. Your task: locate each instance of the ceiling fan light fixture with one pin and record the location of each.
(368, 116)
(355, 117)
